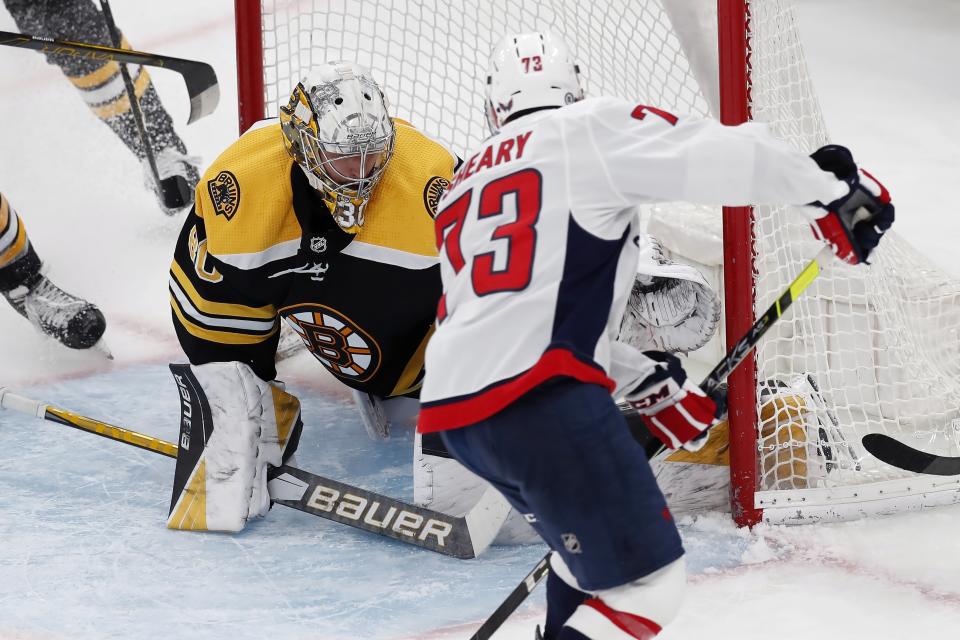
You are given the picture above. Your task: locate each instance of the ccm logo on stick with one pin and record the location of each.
(361, 509)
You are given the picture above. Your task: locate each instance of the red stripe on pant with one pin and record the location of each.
(637, 626)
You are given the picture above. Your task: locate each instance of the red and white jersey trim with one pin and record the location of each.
(453, 413)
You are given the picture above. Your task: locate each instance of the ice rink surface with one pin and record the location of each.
(85, 553)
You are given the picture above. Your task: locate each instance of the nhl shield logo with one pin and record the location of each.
(571, 543)
(225, 194)
(432, 192)
(318, 244)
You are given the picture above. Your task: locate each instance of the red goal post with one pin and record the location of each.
(734, 77)
(250, 90)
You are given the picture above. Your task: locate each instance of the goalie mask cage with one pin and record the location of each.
(864, 350)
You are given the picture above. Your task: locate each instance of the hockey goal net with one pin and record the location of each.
(865, 350)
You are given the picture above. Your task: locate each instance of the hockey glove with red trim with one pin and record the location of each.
(854, 223)
(674, 409)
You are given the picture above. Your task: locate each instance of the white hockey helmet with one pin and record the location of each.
(529, 71)
(337, 127)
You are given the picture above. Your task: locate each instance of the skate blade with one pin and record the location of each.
(101, 347)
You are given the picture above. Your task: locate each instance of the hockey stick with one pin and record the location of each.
(711, 384)
(174, 190)
(457, 536)
(516, 597)
(200, 78)
(903, 456)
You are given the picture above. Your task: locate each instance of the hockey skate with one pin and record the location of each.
(73, 321)
(179, 174)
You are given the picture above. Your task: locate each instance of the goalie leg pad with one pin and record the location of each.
(636, 610)
(800, 438)
(443, 484)
(233, 427)
(693, 482)
(372, 415)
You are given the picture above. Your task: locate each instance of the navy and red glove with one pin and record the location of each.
(674, 409)
(854, 223)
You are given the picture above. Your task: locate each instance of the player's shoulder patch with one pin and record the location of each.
(224, 192)
(246, 200)
(434, 188)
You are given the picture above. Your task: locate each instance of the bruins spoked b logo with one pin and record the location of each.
(346, 350)
(225, 193)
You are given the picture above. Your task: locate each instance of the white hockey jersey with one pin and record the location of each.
(539, 234)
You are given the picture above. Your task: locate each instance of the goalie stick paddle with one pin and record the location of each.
(200, 78)
(457, 536)
(903, 456)
(652, 446)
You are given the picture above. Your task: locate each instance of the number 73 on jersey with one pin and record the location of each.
(519, 193)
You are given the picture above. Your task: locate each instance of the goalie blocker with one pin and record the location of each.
(233, 427)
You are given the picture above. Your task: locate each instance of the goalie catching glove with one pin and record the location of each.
(234, 426)
(674, 409)
(671, 306)
(854, 223)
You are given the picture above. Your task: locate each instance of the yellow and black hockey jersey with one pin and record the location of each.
(260, 245)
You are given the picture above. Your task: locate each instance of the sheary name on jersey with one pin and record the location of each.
(259, 245)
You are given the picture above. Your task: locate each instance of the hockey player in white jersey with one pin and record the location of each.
(539, 242)
(672, 308)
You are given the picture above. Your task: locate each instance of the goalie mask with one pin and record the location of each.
(529, 71)
(337, 128)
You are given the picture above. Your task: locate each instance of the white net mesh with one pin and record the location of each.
(880, 344)
(431, 55)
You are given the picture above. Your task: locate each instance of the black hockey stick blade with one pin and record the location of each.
(903, 456)
(517, 596)
(200, 78)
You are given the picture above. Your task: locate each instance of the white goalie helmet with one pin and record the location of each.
(529, 71)
(337, 127)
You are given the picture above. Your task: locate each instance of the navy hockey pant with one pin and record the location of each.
(562, 455)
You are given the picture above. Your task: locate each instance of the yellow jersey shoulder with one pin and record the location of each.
(403, 205)
(246, 200)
